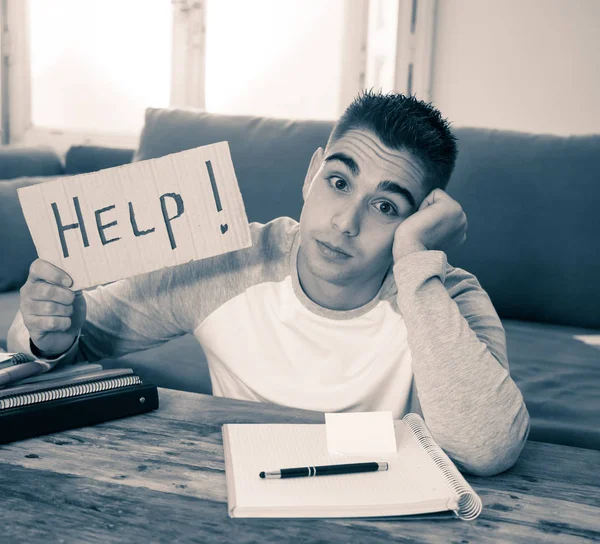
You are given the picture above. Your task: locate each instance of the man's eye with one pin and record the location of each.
(339, 183)
(385, 208)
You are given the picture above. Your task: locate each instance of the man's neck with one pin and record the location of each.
(333, 296)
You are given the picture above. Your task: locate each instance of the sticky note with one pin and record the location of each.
(360, 433)
(139, 217)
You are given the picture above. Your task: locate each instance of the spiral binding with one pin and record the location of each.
(68, 391)
(469, 504)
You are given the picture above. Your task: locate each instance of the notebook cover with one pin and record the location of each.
(80, 411)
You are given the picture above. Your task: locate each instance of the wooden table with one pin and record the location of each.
(159, 477)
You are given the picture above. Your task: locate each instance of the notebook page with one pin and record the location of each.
(411, 478)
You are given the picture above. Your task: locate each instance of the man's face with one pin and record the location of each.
(356, 194)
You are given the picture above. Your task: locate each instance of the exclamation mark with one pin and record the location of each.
(215, 190)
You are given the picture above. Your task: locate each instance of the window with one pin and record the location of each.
(96, 65)
(274, 58)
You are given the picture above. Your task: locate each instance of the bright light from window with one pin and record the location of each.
(278, 58)
(97, 64)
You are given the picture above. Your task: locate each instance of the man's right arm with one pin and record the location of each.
(147, 310)
(58, 325)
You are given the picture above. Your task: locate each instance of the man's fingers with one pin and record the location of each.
(434, 196)
(44, 308)
(41, 270)
(42, 291)
(46, 323)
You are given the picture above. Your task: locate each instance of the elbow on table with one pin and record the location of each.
(496, 456)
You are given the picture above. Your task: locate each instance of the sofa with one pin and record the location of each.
(534, 232)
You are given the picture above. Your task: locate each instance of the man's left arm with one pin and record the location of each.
(469, 401)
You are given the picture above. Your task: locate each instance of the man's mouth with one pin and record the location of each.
(332, 251)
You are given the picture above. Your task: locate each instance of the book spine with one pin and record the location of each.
(469, 503)
(72, 412)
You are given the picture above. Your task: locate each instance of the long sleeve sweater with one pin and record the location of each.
(430, 341)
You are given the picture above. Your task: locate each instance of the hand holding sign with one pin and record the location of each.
(137, 218)
(52, 313)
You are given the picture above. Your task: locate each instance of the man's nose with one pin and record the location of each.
(347, 219)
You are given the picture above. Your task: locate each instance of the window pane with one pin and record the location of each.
(97, 64)
(274, 58)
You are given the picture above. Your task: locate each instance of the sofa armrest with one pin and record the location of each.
(82, 159)
(20, 161)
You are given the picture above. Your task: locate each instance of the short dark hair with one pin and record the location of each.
(404, 123)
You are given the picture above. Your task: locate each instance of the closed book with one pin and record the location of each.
(421, 480)
(47, 407)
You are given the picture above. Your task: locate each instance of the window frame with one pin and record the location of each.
(412, 33)
(414, 47)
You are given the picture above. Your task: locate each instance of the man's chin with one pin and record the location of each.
(337, 273)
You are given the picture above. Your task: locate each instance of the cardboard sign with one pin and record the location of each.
(140, 217)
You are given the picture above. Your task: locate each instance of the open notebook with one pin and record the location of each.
(421, 479)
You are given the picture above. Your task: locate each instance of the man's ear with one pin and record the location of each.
(313, 168)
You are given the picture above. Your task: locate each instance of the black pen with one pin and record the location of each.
(324, 470)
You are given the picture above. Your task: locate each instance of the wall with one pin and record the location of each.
(529, 65)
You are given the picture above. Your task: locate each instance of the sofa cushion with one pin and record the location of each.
(270, 156)
(82, 159)
(21, 161)
(16, 246)
(558, 371)
(178, 364)
(532, 205)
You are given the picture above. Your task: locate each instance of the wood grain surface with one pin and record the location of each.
(159, 477)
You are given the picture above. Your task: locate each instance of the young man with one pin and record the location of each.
(355, 308)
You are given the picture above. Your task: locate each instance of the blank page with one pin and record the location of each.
(412, 476)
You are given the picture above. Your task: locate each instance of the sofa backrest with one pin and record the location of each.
(533, 206)
(531, 200)
(270, 156)
(17, 250)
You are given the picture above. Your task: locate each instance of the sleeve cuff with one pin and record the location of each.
(420, 266)
(51, 362)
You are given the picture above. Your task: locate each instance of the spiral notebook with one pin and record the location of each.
(421, 479)
(71, 397)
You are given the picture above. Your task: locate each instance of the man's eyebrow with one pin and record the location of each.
(394, 187)
(347, 160)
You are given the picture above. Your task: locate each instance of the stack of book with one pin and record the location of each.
(34, 403)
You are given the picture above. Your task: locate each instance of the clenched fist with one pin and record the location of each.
(52, 312)
(439, 223)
